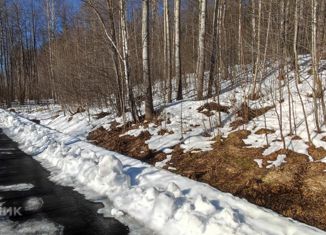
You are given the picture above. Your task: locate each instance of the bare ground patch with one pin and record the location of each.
(317, 153)
(264, 131)
(212, 106)
(129, 145)
(246, 114)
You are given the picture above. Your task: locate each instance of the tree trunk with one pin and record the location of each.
(214, 50)
(167, 50)
(50, 29)
(125, 58)
(255, 92)
(201, 50)
(253, 25)
(316, 87)
(296, 65)
(240, 47)
(177, 48)
(149, 110)
(115, 59)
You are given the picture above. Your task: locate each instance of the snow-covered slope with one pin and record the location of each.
(165, 202)
(186, 126)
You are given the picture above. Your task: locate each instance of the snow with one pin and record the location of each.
(278, 162)
(296, 145)
(164, 162)
(168, 203)
(34, 226)
(135, 132)
(259, 162)
(16, 187)
(167, 151)
(164, 202)
(33, 204)
(188, 127)
(115, 212)
(172, 168)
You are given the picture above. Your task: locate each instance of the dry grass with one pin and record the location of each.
(102, 115)
(246, 114)
(264, 131)
(317, 153)
(209, 107)
(164, 131)
(129, 145)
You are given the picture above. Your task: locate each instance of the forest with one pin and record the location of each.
(179, 113)
(112, 52)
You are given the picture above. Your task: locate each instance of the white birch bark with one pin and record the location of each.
(177, 48)
(201, 50)
(167, 50)
(149, 111)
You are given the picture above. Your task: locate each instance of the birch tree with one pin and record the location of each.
(167, 50)
(214, 50)
(316, 82)
(240, 46)
(149, 110)
(177, 48)
(318, 92)
(201, 49)
(254, 93)
(50, 31)
(296, 65)
(115, 58)
(125, 59)
(123, 55)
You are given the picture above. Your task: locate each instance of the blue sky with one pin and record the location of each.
(74, 3)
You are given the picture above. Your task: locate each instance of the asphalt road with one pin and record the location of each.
(61, 205)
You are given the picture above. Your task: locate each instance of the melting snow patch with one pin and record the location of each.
(274, 147)
(134, 132)
(16, 187)
(194, 143)
(172, 168)
(30, 227)
(278, 162)
(167, 150)
(164, 162)
(116, 213)
(259, 162)
(33, 204)
(323, 160)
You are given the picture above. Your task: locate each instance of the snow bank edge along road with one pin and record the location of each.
(165, 202)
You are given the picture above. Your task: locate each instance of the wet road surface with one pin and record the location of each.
(61, 205)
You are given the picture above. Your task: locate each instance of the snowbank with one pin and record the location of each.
(165, 202)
